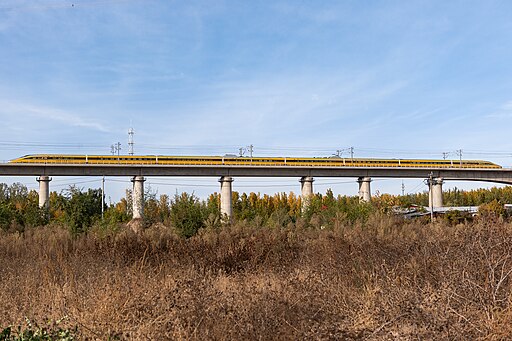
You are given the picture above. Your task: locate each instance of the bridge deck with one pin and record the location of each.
(491, 175)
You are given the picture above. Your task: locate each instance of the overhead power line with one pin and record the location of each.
(76, 183)
(50, 147)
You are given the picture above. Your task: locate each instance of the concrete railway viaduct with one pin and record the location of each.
(227, 174)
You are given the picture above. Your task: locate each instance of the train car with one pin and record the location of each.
(63, 159)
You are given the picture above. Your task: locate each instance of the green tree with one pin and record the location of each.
(187, 214)
(80, 208)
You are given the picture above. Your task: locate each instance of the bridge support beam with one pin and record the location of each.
(365, 194)
(436, 194)
(306, 190)
(44, 191)
(138, 197)
(226, 198)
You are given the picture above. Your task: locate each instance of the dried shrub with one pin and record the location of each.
(375, 279)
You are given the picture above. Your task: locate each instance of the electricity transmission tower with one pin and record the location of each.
(131, 132)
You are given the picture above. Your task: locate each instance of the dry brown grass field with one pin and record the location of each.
(384, 280)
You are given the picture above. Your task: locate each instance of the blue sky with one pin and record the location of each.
(390, 78)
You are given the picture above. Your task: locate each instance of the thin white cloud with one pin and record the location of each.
(500, 115)
(504, 112)
(272, 108)
(57, 115)
(315, 14)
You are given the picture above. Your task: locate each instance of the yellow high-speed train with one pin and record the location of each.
(231, 160)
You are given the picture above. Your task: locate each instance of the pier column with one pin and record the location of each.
(226, 198)
(436, 195)
(306, 189)
(44, 191)
(365, 194)
(138, 197)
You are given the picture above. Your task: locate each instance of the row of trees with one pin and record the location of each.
(80, 210)
(457, 197)
(77, 209)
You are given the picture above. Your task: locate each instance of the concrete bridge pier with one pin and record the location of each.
(138, 197)
(226, 198)
(44, 191)
(306, 189)
(364, 189)
(436, 194)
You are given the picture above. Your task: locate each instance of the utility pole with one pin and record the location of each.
(459, 153)
(116, 148)
(338, 152)
(430, 196)
(403, 188)
(352, 153)
(251, 149)
(102, 196)
(445, 155)
(241, 151)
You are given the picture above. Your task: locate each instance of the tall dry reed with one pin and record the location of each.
(380, 280)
